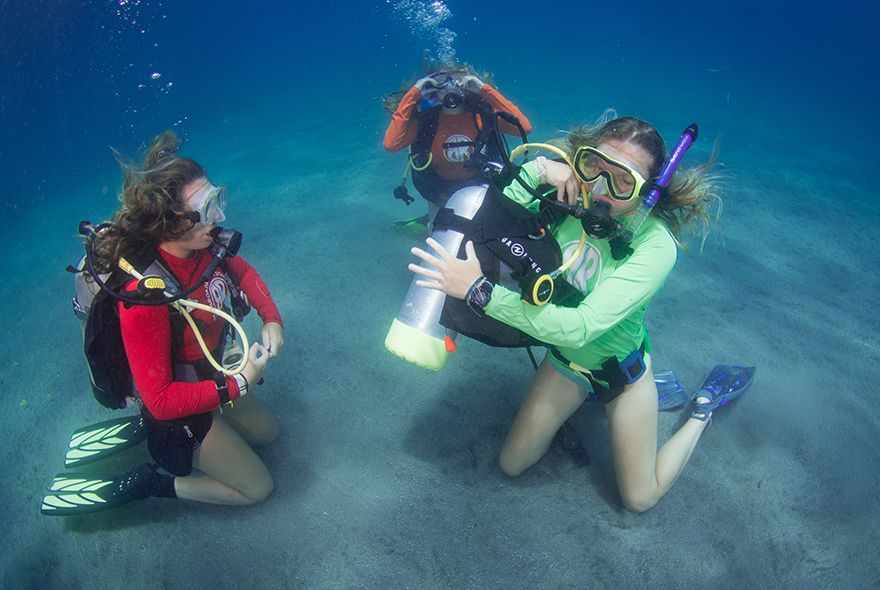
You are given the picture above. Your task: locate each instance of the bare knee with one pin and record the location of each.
(509, 465)
(259, 490)
(266, 435)
(524, 446)
(271, 432)
(638, 502)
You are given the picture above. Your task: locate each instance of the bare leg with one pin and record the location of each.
(550, 401)
(643, 474)
(252, 421)
(231, 472)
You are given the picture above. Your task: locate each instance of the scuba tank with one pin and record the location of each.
(514, 248)
(508, 239)
(416, 334)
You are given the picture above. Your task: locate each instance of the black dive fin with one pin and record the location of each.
(101, 440)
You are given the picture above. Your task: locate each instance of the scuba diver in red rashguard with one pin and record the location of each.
(159, 290)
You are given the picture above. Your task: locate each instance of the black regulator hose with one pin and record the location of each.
(226, 243)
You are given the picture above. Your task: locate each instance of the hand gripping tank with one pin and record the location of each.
(416, 334)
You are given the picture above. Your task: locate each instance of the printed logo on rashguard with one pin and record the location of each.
(458, 153)
(587, 266)
(217, 290)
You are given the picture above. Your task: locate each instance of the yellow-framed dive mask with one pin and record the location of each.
(624, 181)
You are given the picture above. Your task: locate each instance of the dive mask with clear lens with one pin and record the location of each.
(446, 91)
(623, 180)
(210, 203)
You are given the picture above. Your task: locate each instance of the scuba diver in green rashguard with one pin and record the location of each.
(625, 210)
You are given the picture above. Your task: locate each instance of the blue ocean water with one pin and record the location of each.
(282, 103)
(81, 75)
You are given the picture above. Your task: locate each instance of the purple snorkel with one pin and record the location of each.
(620, 245)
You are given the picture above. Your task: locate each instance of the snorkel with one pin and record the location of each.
(620, 244)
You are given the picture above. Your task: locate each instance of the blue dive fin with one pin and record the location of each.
(726, 383)
(670, 393)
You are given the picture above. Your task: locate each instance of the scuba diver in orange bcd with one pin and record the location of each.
(439, 118)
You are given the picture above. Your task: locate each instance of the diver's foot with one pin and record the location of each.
(569, 440)
(72, 493)
(723, 385)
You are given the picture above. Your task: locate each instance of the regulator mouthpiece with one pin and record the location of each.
(226, 242)
(597, 221)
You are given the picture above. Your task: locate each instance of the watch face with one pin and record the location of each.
(482, 293)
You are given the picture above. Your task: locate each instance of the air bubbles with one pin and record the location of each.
(425, 20)
(441, 10)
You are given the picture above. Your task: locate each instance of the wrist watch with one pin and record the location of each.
(478, 295)
(222, 389)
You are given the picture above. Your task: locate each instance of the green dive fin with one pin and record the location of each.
(415, 221)
(101, 440)
(80, 493)
(670, 393)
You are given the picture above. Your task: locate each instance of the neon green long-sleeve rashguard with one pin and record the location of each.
(610, 320)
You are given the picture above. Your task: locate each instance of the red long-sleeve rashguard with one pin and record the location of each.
(146, 334)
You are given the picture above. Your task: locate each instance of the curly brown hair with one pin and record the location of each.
(152, 203)
(690, 195)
